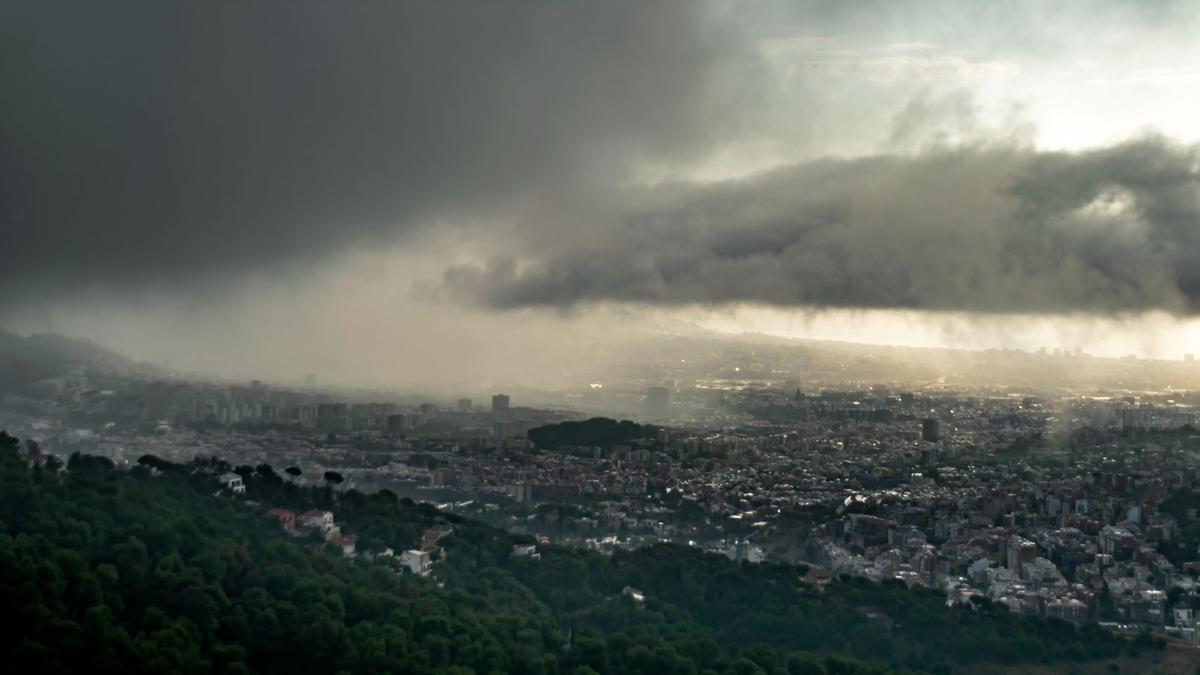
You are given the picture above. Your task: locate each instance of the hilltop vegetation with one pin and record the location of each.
(148, 571)
(600, 431)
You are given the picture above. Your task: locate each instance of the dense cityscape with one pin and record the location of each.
(1068, 505)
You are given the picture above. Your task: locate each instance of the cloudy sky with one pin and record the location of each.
(388, 192)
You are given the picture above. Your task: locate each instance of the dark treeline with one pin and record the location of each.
(599, 431)
(148, 570)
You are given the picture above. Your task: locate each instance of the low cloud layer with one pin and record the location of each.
(150, 144)
(989, 228)
(561, 154)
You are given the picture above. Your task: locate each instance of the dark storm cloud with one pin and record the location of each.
(983, 228)
(157, 143)
(148, 145)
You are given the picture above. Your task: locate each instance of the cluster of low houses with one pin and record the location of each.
(418, 561)
(530, 550)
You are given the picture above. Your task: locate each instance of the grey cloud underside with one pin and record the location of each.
(153, 143)
(982, 228)
(148, 145)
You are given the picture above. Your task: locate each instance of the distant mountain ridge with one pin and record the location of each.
(25, 360)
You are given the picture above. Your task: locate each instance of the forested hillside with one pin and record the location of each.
(148, 570)
(24, 360)
(599, 431)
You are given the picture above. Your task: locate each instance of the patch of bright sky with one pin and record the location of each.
(1157, 336)
(1072, 105)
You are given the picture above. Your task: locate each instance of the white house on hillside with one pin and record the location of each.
(233, 483)
(318, 520)
(419, 563)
